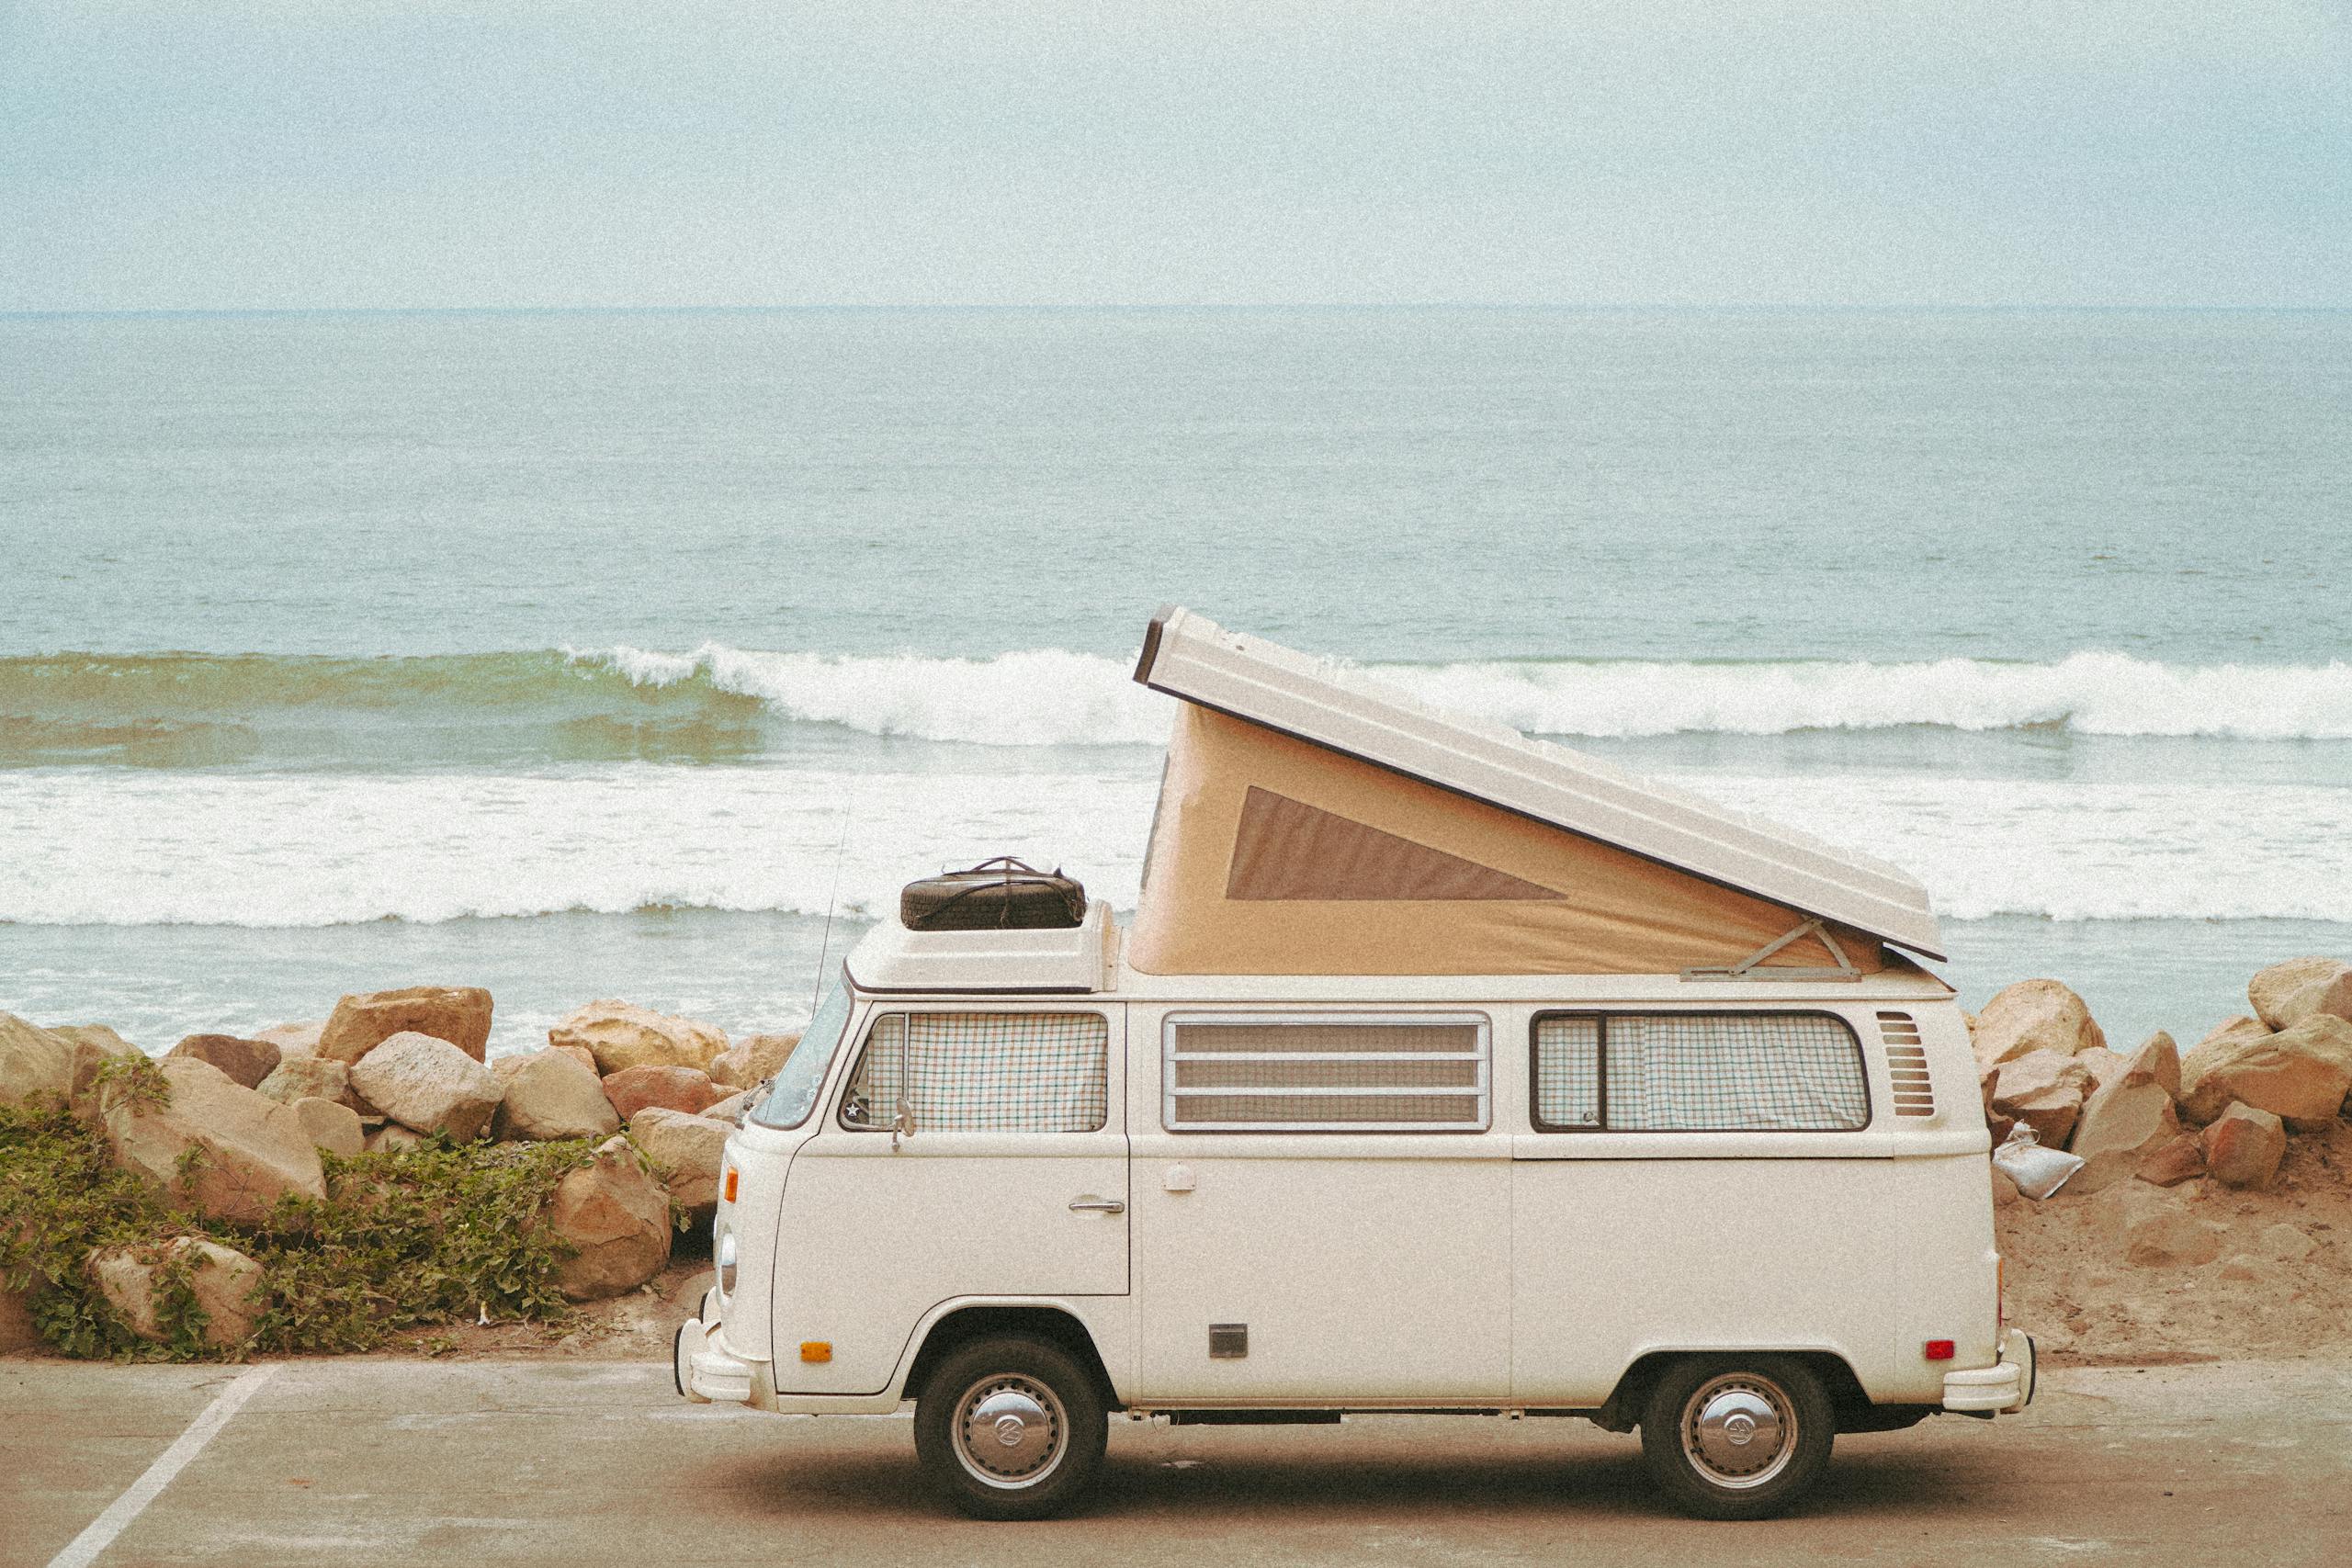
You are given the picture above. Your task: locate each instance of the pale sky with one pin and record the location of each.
(245, 153)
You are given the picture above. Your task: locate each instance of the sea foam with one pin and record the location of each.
(134, 848)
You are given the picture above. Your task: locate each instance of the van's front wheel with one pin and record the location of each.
(1010, 1428)
(1737, 1437)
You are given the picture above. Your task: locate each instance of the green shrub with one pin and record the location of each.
(403, 1239)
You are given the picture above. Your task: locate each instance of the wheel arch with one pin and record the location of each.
(1052, 1322)
(1621, 1412)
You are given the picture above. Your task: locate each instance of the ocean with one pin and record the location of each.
(646, 654)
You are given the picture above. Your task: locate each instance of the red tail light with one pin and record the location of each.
(1940, 1349)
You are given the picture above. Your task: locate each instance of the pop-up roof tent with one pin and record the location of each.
(1312, 821)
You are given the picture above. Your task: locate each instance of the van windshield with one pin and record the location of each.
(794, 1092)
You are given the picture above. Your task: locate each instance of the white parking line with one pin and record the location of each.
(84, 1549)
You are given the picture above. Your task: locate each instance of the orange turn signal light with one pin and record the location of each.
(1938, 1349)
(816, 1350)
(730, 1184)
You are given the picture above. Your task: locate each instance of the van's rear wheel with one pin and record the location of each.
(1736, 1436)
(1010, 1428)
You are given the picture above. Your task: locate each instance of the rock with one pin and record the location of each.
(732, 1110)
(428, 1084)
(2243, 1146)
(549, 1094)
(36, 1063)
(2285, 1243)
(2301, 1073)
(2129, 1117)
(2153, 1230)
(686, 1152)
(94, 1045)
(2183, 1159)
(673, 1088)
(2223, 1037)
(309, 1077)
(459, 1014)
(248, 1062)
(2286, 994)
(2240, 1268)
(618, 1217)
(294, 1039)
(1988, 1081)
(394, 1138)
(226, 1282)
(2004, 1189)
(2034, 1015)
(580, 1054)
(2044, 1090)
(752, 1060)
(16, 1330)
(250, 1152)
(622, 1036)
(334, 1127)
(2103, 1065)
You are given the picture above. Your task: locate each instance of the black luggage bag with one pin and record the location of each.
(1003, 893)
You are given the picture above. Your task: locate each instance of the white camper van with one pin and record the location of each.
(1438, 1071)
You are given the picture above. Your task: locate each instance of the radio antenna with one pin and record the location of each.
(833, 898)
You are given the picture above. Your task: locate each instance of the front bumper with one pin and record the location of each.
(705, 1371)
(2004, 1388)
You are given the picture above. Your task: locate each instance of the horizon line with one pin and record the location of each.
(1331, 307)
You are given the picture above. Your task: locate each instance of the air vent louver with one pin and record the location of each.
(1906, 1065)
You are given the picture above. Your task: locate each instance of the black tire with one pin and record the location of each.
(994, 1470)
(1714, 1470)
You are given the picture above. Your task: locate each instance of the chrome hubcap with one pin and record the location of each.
(1738, 1430)
(1010, 1431)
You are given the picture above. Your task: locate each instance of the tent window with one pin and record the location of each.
(1320, 1072)
(1698, 1072)
(992, 1072)
(1285, 848)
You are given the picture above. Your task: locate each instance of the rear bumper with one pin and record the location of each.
(2003, 1388)
(706, 1372)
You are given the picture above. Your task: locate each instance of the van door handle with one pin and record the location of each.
(1098, 1205)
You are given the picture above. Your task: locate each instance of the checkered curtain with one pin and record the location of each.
(1690, 1072)
(1568, 1072)
(997, 1072)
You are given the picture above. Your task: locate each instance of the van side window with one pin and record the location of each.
(1690, 1072)
(1316, 1073)
(992, 1072)
(1568, 1072)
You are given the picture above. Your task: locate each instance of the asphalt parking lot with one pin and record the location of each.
(401, 1461)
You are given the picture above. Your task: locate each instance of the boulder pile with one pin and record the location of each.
(2221, 1111)
(2165, 1117)
(225, 1126)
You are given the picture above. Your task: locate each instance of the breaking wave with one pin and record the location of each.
(1054, 699)
(716, 702)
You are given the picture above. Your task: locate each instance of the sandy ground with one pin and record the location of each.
(394, 1462)
(2069, 1285)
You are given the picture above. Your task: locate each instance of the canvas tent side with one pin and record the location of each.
(1293, 838)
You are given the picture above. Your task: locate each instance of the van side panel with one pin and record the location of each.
(1613, 1258)
(1949, 1269)
(1366, 1270)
